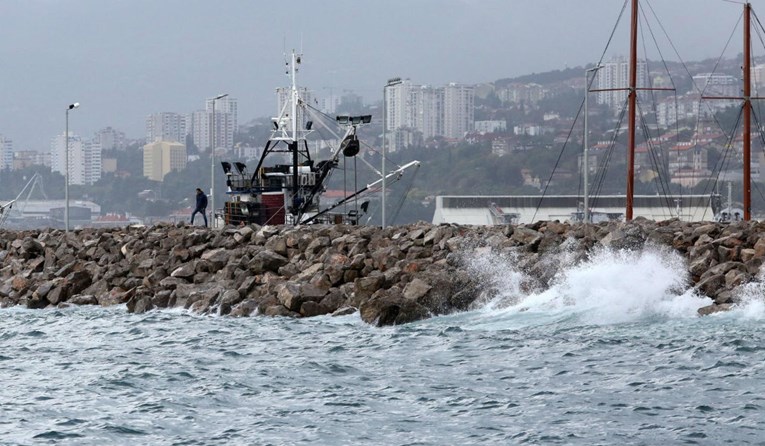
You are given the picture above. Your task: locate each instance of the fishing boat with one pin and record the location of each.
(287, 184)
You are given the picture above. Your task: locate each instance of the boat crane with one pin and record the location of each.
(8, 208)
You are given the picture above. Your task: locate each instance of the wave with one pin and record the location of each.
(608, 287)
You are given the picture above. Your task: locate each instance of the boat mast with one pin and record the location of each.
(747, 114)
(632, 111)
(293, 145)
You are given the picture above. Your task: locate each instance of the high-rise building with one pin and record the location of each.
(84, 159)
(459, 110)
(226, 121)
(6, 153)
(110, 139)
(199, 129)
(615, 75)
(166, 126)
(398, 106)
(162, 157)
(429, 111)
(414, 113)
(198, 124)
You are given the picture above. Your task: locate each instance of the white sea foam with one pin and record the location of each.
(751, 297)
(610, 287)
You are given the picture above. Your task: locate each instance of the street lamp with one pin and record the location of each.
(586, 141)
(391, 82)
(212, 158)
(66, 161)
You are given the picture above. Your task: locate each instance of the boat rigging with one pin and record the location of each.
(290, 190)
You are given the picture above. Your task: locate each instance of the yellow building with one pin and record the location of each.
(161, 157)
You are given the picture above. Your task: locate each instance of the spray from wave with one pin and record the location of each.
(608, 287)
(751, 300)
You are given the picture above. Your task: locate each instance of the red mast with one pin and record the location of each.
(747, 114)
(632, 108)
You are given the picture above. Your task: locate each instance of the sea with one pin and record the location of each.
(612, 353)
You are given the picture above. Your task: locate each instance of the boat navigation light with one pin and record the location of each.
(308, 125)
(75, 105)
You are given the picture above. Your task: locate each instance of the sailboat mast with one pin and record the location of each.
(747, 137)
(632, 111)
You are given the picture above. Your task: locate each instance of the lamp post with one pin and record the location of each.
(586, 141)
(212, 159)
(391, 82)
(66, 162)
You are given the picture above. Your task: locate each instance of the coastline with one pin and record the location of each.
(390, 276)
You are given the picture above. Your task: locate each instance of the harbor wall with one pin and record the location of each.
(389, 276)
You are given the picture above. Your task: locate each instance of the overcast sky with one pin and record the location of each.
(124, 59)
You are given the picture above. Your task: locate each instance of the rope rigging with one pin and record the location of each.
(320, 115)
(603, 168)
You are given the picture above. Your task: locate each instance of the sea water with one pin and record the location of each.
(612, 352)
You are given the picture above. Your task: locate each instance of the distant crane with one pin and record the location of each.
(18, 211)
(5, 210)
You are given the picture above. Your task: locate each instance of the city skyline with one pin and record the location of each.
(124, 60)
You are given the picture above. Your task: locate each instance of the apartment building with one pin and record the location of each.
(6, 153)
(162, 157)
(110, 139)
(166, 126)
(614, 77)
(84, 159)
(199, 124)
(414, 113)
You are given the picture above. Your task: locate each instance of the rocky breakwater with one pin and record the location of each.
(391, 276)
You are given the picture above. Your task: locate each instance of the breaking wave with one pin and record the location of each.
(608, 287)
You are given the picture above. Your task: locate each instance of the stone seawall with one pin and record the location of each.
(391, 276)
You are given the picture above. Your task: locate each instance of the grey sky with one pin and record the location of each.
(124, 59)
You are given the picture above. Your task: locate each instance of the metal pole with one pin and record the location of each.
(66, 168)
(212, 167)
(586, 141)
(385, 89)
(391, 82)
(212, 160)
(586, 144)
(66, 172)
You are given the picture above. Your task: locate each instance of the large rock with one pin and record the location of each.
(390, 308)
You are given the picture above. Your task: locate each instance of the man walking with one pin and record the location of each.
(201, 206)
